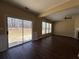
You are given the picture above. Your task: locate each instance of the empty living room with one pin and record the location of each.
(39, 29)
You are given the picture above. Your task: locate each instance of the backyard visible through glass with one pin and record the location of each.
(19, 31)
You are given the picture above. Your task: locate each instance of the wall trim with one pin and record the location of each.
(65, 36)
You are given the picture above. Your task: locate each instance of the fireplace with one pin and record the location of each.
(78, 35)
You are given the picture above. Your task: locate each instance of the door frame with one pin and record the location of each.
(6, 26)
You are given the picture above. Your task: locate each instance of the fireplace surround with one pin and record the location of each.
(77, 33)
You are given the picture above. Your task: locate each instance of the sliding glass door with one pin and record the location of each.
(19, 31)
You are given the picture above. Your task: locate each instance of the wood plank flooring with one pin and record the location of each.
(54, 47)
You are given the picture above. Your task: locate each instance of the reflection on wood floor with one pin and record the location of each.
(54, 47)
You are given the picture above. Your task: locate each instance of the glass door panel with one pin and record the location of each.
(27, 30)
(14, 31)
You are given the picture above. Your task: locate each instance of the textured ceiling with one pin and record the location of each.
(61, 15)
(40, 6)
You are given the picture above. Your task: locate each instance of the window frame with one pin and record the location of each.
(48, 27)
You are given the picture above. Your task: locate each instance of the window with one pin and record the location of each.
(50, 28)
(46, 27)
(43, 27)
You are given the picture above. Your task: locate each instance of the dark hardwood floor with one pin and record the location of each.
(55, 47)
